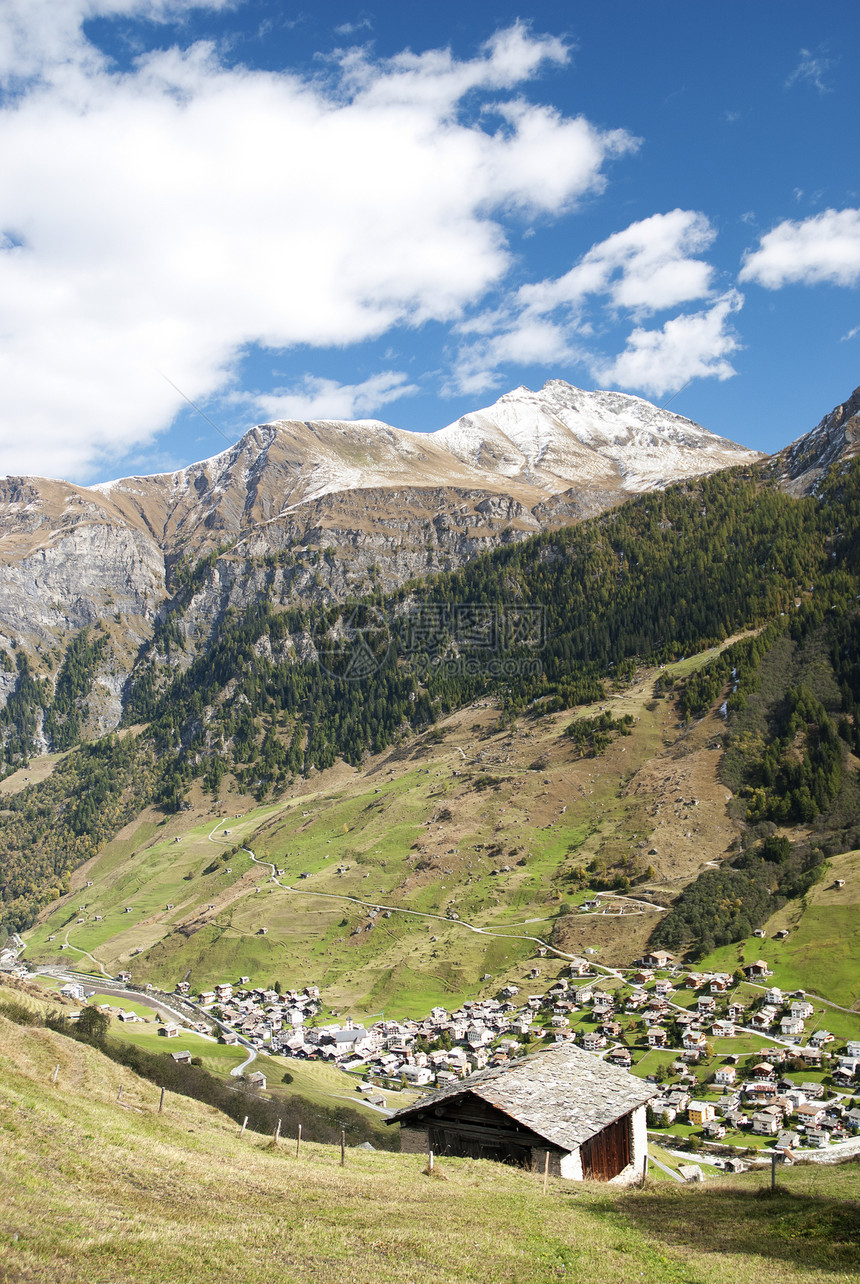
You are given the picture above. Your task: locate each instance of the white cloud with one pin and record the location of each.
(645, 268)
(850, 334)
(352, 28)
(166, 218)
(520, 342)
(811, 70)
(39, 35)
(317, 398)
(690, 346)
(821, 249)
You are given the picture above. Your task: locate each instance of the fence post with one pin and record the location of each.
(242, 1129)
(342, 1147)
(277, 1133)
(161, 1101)
(298, 1141)
(545, 1171)
(430, 1164)
(56, 1072)
(119, 1093)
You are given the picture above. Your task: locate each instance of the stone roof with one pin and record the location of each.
(565, 1095)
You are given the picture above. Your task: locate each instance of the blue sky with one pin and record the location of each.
(402, 212)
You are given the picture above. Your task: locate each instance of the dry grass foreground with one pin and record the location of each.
(99, 1190)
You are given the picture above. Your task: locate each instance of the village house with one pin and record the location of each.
(846, 1072)
(587, 1116)
(766, 1122)
(603, 1004)
(795, 1097)
(811, 1057)
(417, 1076)
(723, 1029)
(663, 1110)
(811, 1113)
(726, 1076)
(791, 1027)
(700, 1113)
(756, 971)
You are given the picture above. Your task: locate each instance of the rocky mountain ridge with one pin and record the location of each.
(835, 438)
(324, 510)
(70, 555)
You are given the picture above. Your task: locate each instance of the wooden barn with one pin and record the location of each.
(589, 1117)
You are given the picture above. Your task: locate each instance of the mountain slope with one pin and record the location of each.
(835, 438)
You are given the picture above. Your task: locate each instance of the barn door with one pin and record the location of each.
(454, 1141)
(607, 1153)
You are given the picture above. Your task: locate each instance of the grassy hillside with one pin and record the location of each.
(822, 948)
(427, 828)
(98, 1190)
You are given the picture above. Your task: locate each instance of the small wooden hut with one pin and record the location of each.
(588, 1116)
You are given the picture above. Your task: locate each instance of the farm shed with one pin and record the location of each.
(587, 1115)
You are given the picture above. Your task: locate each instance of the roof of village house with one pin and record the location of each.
(565, 1095)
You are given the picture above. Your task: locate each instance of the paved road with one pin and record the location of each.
(116, 990)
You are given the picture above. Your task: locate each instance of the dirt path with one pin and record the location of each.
(87, 954)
